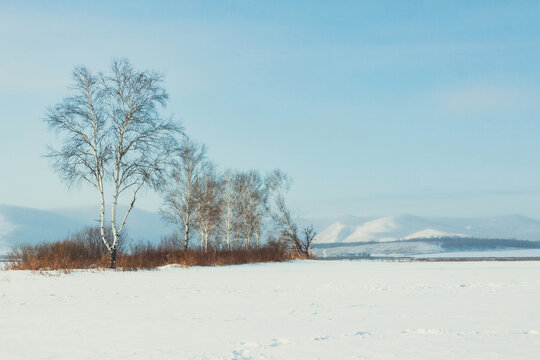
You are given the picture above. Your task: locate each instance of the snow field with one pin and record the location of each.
(297, 310)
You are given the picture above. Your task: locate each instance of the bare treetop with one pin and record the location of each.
(81, 118)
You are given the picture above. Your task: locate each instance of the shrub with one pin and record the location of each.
(79, 251)
(85, 250)
(150, 256)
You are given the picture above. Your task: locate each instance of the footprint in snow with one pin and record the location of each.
(279, 342)
(241, 355)
(361, 333)
(249, 344)
(424, 331)
(321, 338)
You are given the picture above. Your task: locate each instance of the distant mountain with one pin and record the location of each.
(25, 225)
(411, 235)
(20, 225)
(142, 225)
(407, 227)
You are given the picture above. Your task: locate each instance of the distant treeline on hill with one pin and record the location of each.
(452, 243)
(464, 243)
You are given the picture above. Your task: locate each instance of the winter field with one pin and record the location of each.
(297, 310)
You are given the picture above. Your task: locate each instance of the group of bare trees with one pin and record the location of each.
(231, 210)
(116, 139)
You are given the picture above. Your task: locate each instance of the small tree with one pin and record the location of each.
(180, 203)
(112, 130)
(209, 205)
(279, 183)
(229, 205)
(302, 244)
(251, 199)
(259, 206)
(239, 223)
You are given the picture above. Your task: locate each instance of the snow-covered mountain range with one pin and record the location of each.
(408, 235)
(351, 229)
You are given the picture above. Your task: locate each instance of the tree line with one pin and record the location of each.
(115, 138)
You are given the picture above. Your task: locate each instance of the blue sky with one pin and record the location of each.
(373, 108)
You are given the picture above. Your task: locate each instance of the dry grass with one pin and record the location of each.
(85, 251)
(149, 256)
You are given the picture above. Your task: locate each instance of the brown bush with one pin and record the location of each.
(82, 250)
(149, 256)
(66, 254)
(85, 250)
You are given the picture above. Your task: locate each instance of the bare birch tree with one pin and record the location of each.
(180, 203)
(209, 205)
(260, 209)
(112, 130)
(82, 121)
(239, 223)
(251, 200)
(229, 204)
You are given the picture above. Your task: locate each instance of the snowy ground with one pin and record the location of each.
(299, 310)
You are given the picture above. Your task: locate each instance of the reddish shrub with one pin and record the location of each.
(85, 250)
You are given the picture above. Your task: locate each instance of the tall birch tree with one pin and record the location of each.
(113, 131)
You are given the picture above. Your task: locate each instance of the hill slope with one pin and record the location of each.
(20, 225)
(25, 225)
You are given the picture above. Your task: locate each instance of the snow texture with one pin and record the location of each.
(298, 310)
